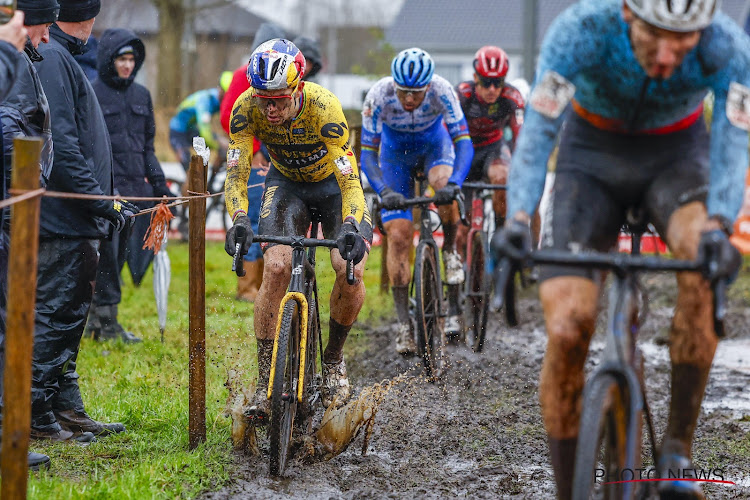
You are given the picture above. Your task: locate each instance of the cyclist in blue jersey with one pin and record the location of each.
(413, 120)
(193, 118)
(628, 79)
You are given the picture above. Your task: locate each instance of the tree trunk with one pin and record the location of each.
(172, 17)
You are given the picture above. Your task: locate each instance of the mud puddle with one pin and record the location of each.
(478, 433)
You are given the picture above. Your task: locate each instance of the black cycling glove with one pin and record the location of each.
(121, 214)
(351, 244)
(513, 240)
(230, 243)
(390, 199)
(721, 259)
(447, 194)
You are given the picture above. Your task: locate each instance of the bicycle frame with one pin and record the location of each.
(479, 215)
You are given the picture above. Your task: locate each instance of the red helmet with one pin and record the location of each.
(491, 62)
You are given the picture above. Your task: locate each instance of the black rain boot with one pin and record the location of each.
(93, 324)
(111, 329)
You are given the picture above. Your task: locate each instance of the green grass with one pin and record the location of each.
(145, 386)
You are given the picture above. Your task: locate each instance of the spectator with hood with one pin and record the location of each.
(129, 114)
(25, 113)
(249, 285)
(70, 229)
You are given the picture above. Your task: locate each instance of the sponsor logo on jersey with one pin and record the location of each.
(738, 105)
(239, 123)
(298, 131)
(552, 94)
(333, 130)
(265, 209)
(233, 158)
(344, 165)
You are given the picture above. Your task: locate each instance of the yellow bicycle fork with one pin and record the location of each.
(301, 300)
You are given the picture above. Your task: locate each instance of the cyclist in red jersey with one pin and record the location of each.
(491, 106)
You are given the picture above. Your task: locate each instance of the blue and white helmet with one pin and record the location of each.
(275, 64)
(412, 68)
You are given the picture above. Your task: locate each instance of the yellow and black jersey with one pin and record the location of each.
(309, 149)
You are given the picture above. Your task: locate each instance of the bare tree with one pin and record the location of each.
(173, 17)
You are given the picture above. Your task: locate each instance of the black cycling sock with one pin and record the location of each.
(337, 334)
(562, 454)
(401, 301)
(265, 355)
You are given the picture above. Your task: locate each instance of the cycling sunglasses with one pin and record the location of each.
(488, 82)
(405, 91)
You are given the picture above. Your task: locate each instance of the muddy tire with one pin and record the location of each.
(284, 393)
(477, 296)
(600, 455)
(306, 408)
(431, 338)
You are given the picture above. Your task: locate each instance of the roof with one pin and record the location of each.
(450, 25)
(142, 17)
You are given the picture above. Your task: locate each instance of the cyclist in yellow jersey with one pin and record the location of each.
(313, 170)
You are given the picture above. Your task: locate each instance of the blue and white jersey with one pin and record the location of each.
(587, 62)
(383, 114)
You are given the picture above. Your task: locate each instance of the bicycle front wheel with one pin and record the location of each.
(431, 338)
(601, 451)
(476, 304)
(284, 392)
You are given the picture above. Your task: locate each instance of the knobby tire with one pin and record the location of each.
(601, 440)
(284, 393)
(477, 297)
(431, 338)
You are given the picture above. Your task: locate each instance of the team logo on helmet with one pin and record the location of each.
(276, 64)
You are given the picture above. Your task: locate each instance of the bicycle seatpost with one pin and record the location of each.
(237, 261)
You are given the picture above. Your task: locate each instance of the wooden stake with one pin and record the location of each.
(19, 334)
(197, 314)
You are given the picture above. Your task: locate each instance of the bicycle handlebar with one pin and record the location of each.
(426, 200)
(484, 185)
(301, 242)
(620, 263)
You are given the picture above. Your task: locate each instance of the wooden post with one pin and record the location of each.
(19, 333)
(197, 314)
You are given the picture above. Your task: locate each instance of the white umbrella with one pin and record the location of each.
(162, 276)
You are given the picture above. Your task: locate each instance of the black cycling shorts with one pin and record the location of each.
(288, 208)
(484, 157)
(601, 174)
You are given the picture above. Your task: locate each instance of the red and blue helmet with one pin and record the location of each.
(276, 64)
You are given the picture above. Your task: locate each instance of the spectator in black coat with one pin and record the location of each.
(129, 114)
(87, 59)
(71, 229)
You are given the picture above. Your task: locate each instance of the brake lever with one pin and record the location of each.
(720, 306)
(349, 262)
(462, 208)
(240, 237)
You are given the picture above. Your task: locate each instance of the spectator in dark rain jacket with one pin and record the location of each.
(87, 59)
(25, 113)
(129, 114)
(71, 229)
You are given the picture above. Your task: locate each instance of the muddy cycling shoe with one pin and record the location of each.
(453, 327)
(454, 269)
(405, 340)
(335, 384)
(38, 461)
(670, 466)
(260, 411)
(80, 422)
(62, 436)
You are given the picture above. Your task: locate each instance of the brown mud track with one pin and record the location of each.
(479, 434)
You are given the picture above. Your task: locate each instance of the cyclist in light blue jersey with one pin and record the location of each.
(412, 121)
(193, 118)
(628, 78)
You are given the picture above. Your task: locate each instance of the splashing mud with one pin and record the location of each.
(244, 438)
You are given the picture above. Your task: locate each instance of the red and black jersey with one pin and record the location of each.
(487, 121)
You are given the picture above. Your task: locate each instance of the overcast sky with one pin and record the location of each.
(306, 16)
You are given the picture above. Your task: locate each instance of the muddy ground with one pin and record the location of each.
(479, 433)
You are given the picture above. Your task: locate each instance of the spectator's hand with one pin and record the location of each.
(447, 194)
(351, 244)
(230, 243)
(513, 240)
(261, 163)
(121, 214)
(721, 259)
(14, 31)
(162, 190)
(391, 200)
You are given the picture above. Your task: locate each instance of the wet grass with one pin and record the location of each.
(145, 386)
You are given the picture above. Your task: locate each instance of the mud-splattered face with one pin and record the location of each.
(659, 51)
